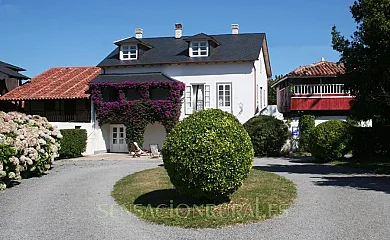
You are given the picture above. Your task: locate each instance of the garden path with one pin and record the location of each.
(73, 202)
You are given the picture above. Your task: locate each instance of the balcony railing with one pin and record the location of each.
(319, 89)
(62, 116)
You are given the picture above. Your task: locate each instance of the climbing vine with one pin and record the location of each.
(136, 114)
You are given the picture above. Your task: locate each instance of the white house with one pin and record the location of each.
(226, 71)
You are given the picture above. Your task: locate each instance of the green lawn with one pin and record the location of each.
(375, 164)
(150, 195)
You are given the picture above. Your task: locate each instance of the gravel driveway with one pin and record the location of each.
(73, 202)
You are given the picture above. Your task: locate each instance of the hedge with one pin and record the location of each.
(73, 143)
(306, 125)
(208, 155)
(268, 135)
(330, 140)
(371, 141)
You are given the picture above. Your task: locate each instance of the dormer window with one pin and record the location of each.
(129, 52)
(199, 49)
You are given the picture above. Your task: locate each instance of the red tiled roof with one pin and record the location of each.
(319, 69)
(55, 83)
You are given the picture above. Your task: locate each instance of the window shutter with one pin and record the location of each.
(188, 100)
(206, 96)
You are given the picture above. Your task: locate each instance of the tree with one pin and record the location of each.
(366, 58)
(272, 91)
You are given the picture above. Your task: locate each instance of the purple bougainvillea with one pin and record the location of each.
(138, 113)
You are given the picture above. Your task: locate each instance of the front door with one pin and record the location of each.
(118, 138)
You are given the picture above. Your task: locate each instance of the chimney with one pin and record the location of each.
(322, 59)
(234, 28)
(138, 32)
(178, 30)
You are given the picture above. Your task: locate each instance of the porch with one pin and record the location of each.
(115, 141)
(60, 110)
(309, 97)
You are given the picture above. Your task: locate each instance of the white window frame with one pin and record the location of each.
(196, 51)
(207, 96)
(132, 52)
(223, 106)
(188, 104)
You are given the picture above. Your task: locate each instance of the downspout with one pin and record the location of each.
(255, 87)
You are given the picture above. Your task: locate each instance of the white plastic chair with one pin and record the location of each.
(154, 153)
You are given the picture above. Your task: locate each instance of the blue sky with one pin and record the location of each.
(40, 34)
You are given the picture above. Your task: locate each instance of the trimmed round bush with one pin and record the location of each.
(330, 140)
(208, 155)
(306, 124)
(268, 135)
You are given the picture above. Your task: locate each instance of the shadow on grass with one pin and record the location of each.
(169, 198)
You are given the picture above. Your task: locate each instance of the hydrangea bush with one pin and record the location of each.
(28, 146)
(136, 114)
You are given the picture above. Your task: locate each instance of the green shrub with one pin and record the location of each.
(6, 166)
(330, 140)
(268, 135)
(306, 124)
(208, 155)
(73, 143)
(370, 141)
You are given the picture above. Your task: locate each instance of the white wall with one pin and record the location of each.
(101, 138)
(319, 119)
(154, 134)
(240, 75)
(261, 82)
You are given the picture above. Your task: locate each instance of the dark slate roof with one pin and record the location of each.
(133, 77)
(168, 50)
(12, 73)
(13, 67)
(131, 40)
(199, 37)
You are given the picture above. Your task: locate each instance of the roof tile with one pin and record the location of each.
(55, 83)
(319, 69)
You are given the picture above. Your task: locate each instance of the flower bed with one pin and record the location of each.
(28, 146)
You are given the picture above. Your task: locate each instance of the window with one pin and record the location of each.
(132, 94)
(129, 52)
(110, 94)
(199, 49)
(158, 93)
(225, 96)
(197, 97)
